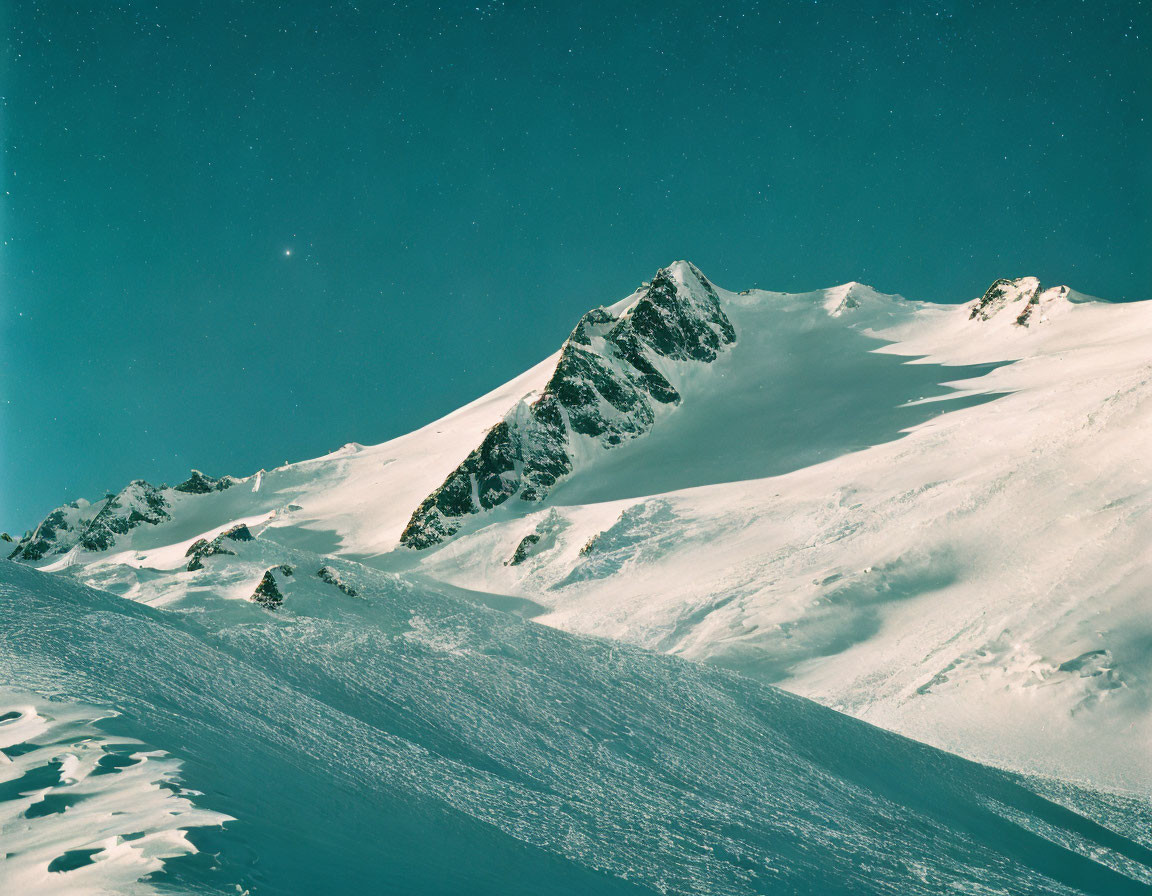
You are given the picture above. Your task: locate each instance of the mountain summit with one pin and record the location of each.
(615, 375)
(926, 515)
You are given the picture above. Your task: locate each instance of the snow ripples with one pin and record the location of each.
(82, 812)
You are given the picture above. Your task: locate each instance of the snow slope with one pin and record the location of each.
(932, 517)
(402, 740)
(981, 583)
(83, 812)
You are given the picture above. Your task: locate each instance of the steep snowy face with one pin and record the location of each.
(615, 374)
(980, 582)
(403, 740)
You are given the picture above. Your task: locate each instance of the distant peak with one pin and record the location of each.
(1004, 292)
(1029, 300)
(682, 273)
(200, 484)
(610, 381)
(850, 296)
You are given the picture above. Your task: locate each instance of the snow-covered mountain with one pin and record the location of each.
(610, 384)
(933, 517)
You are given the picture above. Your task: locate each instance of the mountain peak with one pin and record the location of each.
(684, 272)
(613, 377)
(1029, 301)
(846, 297)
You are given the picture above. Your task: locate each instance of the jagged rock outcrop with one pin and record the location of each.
(332, 577)
(1024, 297)
(94, 527)
(268, 593)
(1000, 293)
(609, 382)
(70, 526)
(523, 549)
(139, 503)
(239, 532)
(200, 484)
(539, 540)
(4, 536)
(57, 533)
(202, 547)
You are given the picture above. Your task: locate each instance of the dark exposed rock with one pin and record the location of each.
(43, 538)
(267, 593)
(202, 548)
(1033, 303)
(1000, 293)
(606, 385)
(1025, 299)
(540, 539)
(239, 532)
(72, 525)
(332, 577)
(692, 330)
(989, 301)
(137, 504)
(583, 376)
(288, 569)
(4, 536)
(631, 349)
(548, 459)
(69, 526)
(522, 549)
(96, 527)
(199, 484)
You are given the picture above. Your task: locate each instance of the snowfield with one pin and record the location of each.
(933, 518)
(408, 741)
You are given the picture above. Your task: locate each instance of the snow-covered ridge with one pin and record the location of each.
(80, 524)
(612, 377)
(623, 369)
(1024, 300)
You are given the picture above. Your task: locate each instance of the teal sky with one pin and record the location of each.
(236, 234)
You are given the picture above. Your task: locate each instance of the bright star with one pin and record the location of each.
(287, 251)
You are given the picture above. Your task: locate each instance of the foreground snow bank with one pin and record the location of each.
(82, 812)
(360, 746)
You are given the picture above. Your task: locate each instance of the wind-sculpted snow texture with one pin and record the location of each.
(612, 375)
(82, 811)
(407, 741)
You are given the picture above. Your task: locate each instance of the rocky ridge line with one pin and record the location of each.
(607, 385)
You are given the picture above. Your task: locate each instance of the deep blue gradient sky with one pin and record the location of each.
(457, 185)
